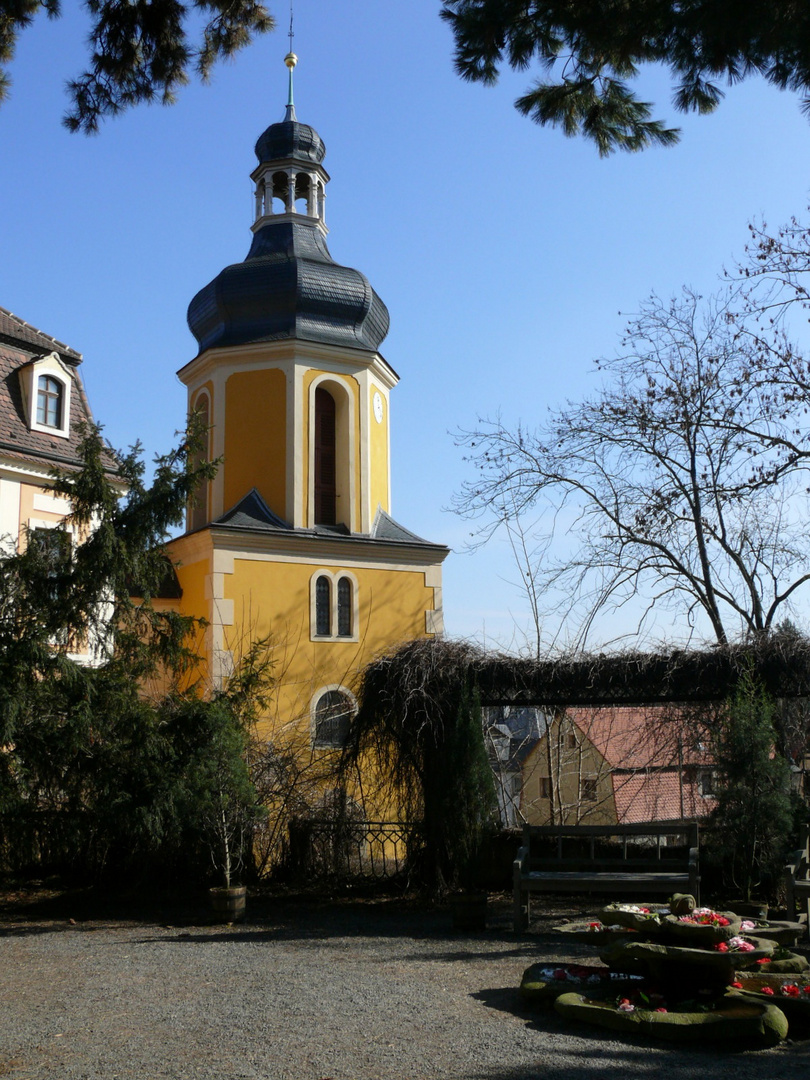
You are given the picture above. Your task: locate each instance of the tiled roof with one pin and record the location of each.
(19, 345)
(656, 796)
(653, 757)
(637, 738)
(17, 330)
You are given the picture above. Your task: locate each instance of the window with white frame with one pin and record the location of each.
(333, 604)
(46, 385)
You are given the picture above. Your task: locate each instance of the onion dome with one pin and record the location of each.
(289, 139)
(289, 286)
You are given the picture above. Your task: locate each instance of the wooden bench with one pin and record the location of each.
(797, 878)
(639, 860)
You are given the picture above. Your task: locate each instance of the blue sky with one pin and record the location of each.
(505, 252)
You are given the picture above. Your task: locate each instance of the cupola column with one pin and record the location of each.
(312, 195)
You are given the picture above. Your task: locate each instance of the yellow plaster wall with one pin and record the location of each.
(272, 599)
(567, 765)
(391, 608)
(256, 437)
(380, 495)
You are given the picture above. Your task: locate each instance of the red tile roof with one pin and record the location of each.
(19, 345)
(21, 332)
(654, 757)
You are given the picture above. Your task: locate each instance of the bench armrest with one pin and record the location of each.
(797, 864)
(520, 858)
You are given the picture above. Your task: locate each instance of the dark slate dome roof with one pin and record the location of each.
(288, 287)
(289, 139)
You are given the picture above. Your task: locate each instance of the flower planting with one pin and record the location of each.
(694, 974)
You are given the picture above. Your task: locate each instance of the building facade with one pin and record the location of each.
(42, 409)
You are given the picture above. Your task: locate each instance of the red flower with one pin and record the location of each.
(767, 990)
(721, 946)
(737, 986)
(764, 960)
(661, 1010)
(806, 989)
(723, 921)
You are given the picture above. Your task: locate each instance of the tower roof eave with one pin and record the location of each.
(287, 349)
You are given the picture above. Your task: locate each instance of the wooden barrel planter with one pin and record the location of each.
(228, 905)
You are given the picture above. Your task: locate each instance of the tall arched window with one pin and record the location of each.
(325, 459)
(333, 714)
(323, 606)
(334, 613)
(345, 607)
(49, 401)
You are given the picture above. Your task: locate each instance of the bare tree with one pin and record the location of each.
(680, 483)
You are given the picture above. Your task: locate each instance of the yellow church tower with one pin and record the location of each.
(294, 538)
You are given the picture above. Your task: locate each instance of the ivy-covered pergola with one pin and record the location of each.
(428, 674)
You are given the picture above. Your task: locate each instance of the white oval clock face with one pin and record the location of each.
(378, 407)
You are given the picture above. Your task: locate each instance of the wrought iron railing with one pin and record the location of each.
(331, 847)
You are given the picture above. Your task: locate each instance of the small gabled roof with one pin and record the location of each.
(385, 528)
(252, 512)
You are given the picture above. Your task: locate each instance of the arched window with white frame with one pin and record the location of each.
(333, 606)
(331, 718)
(45, 385)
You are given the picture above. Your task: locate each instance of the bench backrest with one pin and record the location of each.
(582, 847)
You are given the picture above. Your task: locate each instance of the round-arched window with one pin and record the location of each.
(333, 715)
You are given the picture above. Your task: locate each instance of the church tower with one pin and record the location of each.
(294, 538)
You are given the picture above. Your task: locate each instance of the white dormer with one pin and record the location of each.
(46, 383)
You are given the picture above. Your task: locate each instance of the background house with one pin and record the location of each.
(617, 764)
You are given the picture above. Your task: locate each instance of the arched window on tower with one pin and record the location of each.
(198, 505)
(345, 607)
(302, 185)
(334, 611)
(332, 716)
(325, 459)
(323, 606)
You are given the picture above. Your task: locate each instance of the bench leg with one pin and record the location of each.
(790, 898)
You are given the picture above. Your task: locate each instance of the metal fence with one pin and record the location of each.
(345, 849)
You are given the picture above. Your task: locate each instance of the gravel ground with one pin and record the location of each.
(309, 991)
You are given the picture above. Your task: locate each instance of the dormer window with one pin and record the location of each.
(46, 383)
(49, 402)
